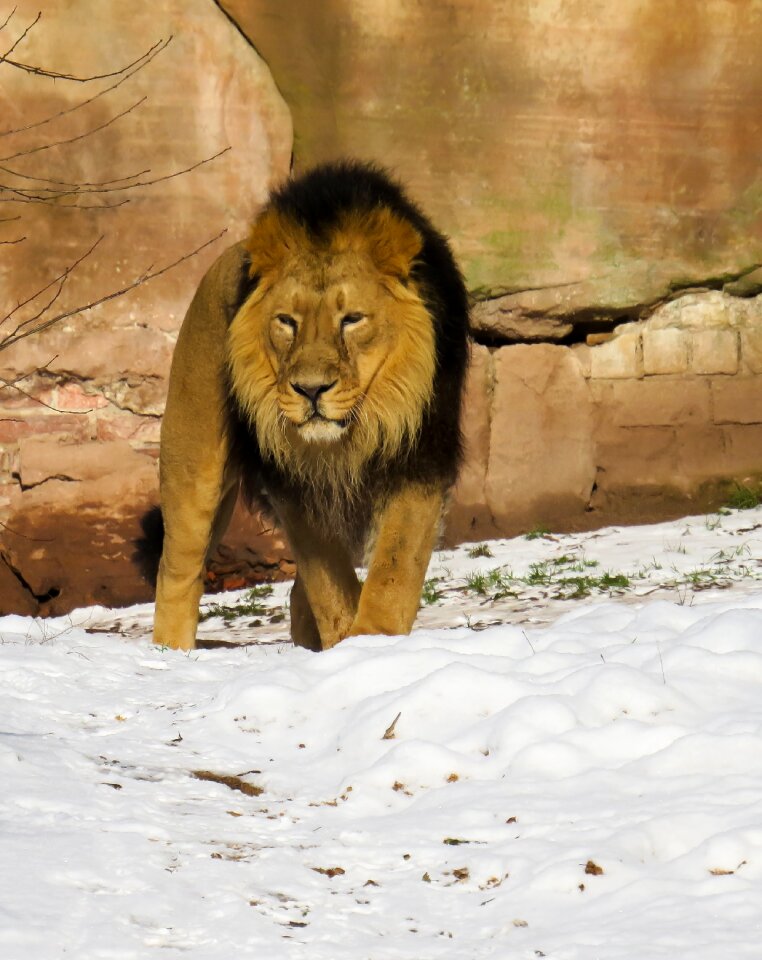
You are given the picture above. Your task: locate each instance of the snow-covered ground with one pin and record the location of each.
(564, 760)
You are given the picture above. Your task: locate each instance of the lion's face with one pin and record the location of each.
(329, 330)
(332, 355)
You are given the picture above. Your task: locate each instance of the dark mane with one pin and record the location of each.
(318, 200)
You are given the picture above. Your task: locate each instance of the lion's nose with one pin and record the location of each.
(312, 391)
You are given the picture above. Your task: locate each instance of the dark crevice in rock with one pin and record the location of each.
(249, 43)
(601, 325)
(582, 322)
(505, 320)
(589, 508)
(725, 282)
(50, 594)
(39, 483)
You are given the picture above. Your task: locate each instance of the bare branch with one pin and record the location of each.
(21, 37)
(142, 62)
(25, 376)
(12, 338)
(10, 243)
(80, 136)
(67, 206)
(54, 74)
(61, 278)
(82, 189)
(13, 385)
(74, 186)
(43, 310)
(8, 19)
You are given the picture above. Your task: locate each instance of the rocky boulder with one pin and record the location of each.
(181, 138)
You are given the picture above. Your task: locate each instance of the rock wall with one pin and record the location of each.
(590, 162)
(606, 150)
(596, 166)
(81, 408)
(655, 419)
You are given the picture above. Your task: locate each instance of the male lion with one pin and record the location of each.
(321, 365)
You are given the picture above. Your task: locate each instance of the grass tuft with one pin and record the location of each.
(431, 592)
(537, 533)
(249, 605)
(744, 498)
(480, 550)
(567, 578)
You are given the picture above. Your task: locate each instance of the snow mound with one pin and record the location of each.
(587, 785)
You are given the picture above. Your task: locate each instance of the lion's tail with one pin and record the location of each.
(148, 547)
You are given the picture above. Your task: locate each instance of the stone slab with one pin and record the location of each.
(468, 516)
(665, 351)
(714, 351)
(737, 400)
(541, 460)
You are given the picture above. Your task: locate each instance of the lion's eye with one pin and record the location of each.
(286, 319)
(350, 319)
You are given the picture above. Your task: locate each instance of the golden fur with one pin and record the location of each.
(383, 365)
(327, 389)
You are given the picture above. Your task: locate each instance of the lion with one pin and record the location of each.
(320, 367)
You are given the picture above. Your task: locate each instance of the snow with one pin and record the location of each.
(532, 773)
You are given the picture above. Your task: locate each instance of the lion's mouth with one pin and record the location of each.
(320, 429)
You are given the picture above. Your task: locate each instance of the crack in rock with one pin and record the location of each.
(39, 483)
(50, 594)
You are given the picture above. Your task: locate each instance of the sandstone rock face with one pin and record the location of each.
(519, 317)
(596, 152)
(468, 515)
(533, 440)
(71, 534)
(79, 427)
(656, 422)
(596, 166)
(541, 465)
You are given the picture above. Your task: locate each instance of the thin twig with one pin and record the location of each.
(31, 396)
(26, 376)
(139, 64)
(13, 338)
(64, 206)
(24, 34)
(74, 186)
(8, 19)
(43, 310)
(63, 194)
(55, 75)
(61, 277)
(79, 136)
(389, 732)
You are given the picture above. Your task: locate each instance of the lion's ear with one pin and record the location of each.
(271, 241)
(391, 241)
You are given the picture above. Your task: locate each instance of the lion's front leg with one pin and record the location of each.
(326, 590)
(304, 628)
(405, 536)
(198, 484)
